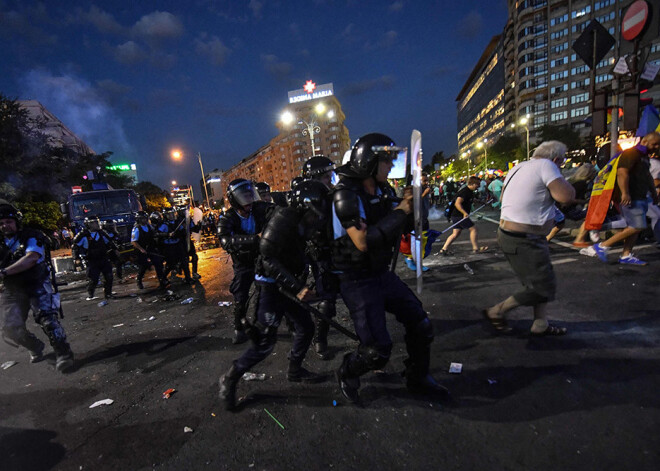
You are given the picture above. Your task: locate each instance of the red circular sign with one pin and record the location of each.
(634, 20)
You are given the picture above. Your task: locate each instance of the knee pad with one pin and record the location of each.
(375, 358)
(327, 308)
(52, 328)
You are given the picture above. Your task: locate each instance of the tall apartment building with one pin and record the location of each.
(481, 101)
(278, 162)
(543, 76)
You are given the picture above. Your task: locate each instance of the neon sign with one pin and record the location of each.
(123, 167)
(311, 91)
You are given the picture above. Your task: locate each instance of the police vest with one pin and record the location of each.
(145, 238)
(10, 255)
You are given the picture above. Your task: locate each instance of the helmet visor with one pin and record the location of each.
(395, 154)
(245, 193)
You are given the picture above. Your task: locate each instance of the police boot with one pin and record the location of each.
(140, 285)
(239, 333)
(418, 379)
(349, 384)
(321, 339)
(63, 357)
(37, 351)
(228, 383)
(57, 338)
(297, 373)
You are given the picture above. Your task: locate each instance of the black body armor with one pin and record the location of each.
(243, 247)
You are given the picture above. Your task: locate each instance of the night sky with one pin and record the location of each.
(141, 78)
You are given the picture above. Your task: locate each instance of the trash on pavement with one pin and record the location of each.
(492, 381)
(117, 325)
(161, 311)
(249, 376)
(272, 417)
(224, 303)
(168, 393)
(139, 300)
(103, 402)
(8, 364)
(455, 367)
(187, 301)
(102, 303)
(468, 269)
(187, 430)
(152, 318)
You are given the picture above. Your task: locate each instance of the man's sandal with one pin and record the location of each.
(481, 249)
(551, 331)
(497, 324)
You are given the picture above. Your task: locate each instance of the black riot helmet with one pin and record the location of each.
(295, 182)
(241, 192)
(9, 211)
(141, 217)
(262, 188)
(311, 199)
(367, 152)
(92, 223)
(170, 214)
(156, 218)
(109, 226)
(317, 165)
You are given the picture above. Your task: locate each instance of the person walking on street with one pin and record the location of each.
(528, 213)
(461, 214)
(633, 185)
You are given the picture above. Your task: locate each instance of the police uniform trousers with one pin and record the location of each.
(96, 267)
(175, 257)
(16, 302)
(368, 298)
(144, 264)
(272, 306)
(240, 290)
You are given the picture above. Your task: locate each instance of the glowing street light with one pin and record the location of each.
(311, 126)
(173, 182)
(176, 154)
(523, 122)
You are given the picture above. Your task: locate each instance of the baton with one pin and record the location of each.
(309, 308)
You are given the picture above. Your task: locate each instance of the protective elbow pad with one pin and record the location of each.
(347, 208)
(283, 277)
(386, 230)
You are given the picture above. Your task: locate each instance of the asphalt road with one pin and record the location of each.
(586, 401)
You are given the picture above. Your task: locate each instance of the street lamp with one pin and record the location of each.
(178, 155)
(523, 122)
(485, 147)
(466, 155)
(173, 182)
(311, 126)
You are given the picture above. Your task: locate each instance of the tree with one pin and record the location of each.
(565, 134)
(155, 196)
(509, 147)
(41, 215)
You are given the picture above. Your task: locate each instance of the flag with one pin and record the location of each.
(649, 122)
(601, 195)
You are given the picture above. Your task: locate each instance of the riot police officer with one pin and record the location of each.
(263, 189)
(110, 228)
(96, 247)
(367, 224)
(238, 231)
(26, 273)
(322, 169)
(172, 233)
(281, 266)
(143, 239)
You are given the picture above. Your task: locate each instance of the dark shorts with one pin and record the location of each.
(529, 257)
(464, 224)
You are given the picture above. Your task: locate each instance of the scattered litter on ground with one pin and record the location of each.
(168, 393)
(492, 381)
(104, 402)
(224, 303)
(187, 300)
(187, 430)
(152, 318)
(334, 403)
(133, 295)
(249, 376)
(155, 300)
(139, 300)
(8, 364)
(161, 311)
(455, 367)
(212, 414)
(170, 292)
(102, 303)
(276, 421)
(468, 269)
(117, 325)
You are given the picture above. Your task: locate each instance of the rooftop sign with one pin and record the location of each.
(123, 167)
(311, 91)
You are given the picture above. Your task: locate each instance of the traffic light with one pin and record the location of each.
(630, 111)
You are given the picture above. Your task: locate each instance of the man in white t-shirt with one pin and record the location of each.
(528, 209)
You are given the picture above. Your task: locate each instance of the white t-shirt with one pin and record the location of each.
(526, 199)
(655, 168)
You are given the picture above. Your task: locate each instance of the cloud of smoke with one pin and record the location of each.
(81, 108)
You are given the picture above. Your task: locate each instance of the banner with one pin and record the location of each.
(601, 195)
